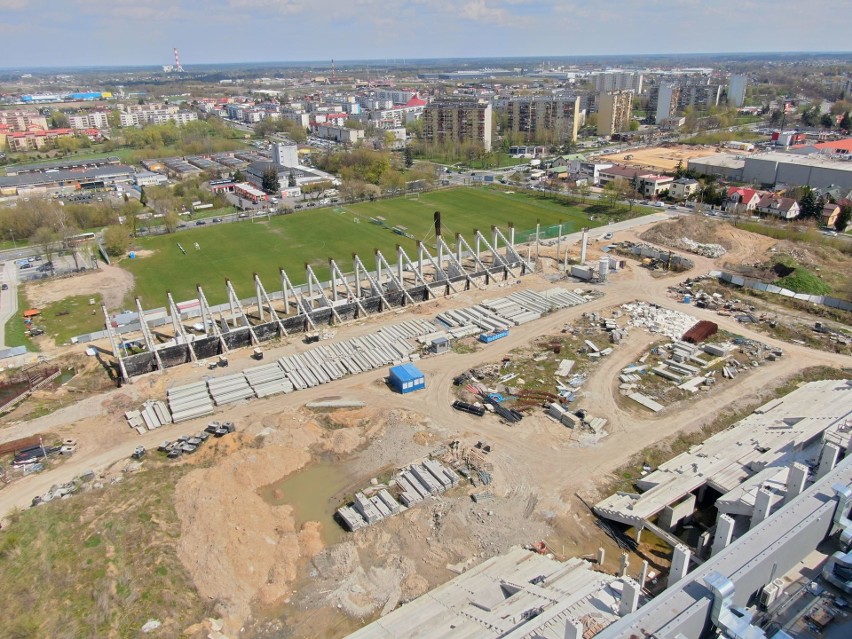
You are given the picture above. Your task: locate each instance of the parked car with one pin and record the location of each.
(200, 223)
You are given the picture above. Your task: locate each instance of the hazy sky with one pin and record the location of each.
(119, 32)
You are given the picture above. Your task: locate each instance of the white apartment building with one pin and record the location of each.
(139, 118)
(92, 120)
(616, 80)
(395, 96)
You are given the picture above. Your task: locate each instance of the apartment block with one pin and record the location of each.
(93, 120)
(138, 118)
(737, 90)
(615, 109)
(617, 81)
(541, 117)
(457, 121)
(21, 120)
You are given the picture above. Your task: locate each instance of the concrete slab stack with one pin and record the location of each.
(189, 401)
(268, 380)
(229, 389)
(152, 415)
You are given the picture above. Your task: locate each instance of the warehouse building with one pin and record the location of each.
(778, 167)
(90, 178)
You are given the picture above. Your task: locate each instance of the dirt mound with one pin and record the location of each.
(111, 282)
(696, 228)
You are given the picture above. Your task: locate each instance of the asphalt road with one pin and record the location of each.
(8, 298)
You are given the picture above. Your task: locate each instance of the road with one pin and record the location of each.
(106, 439)
(8, 298)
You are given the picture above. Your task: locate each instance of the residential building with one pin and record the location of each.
(38, 139)
(341, 134)
(91, 120)
(653, 186)
(285, 154)
(590, 171)
(784, 207)
(158, 116)
(544, 118)
(667, 96)
(683, 188)
(829, 214)
(395, 96)
(742, 199)
(737, 90)
(616, 173)
(457, 122)
(615, 109)
(617, 81)
(22, 120)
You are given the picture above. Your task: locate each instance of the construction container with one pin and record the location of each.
(487, 338)
(700, 331)
(407, 378)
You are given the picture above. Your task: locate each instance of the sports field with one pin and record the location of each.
(236, 250)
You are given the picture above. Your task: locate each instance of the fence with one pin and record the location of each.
(544, 233)
(823, 300)
(22, 387)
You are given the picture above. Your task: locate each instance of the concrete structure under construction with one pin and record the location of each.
(515, 595)
(290, 309)
(751, 466)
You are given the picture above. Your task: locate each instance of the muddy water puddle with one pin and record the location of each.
(314, 492)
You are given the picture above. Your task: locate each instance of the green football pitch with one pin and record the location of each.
(236, 250)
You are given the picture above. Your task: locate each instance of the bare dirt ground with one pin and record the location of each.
(111, 282)
(277, 579)
(661, 158)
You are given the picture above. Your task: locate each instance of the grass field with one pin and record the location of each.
(237, 250)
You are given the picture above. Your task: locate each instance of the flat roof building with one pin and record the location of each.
(456, 122)
(615, 110)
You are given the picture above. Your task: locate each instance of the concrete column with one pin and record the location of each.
(680, 564)
(573, 629)
(828, 459)
(638, 535)
(625, 564)
(724, 533)
(643, 574)
(762, 506)
(796, 479)
(629, 597)
(585, 241)
(601, 556)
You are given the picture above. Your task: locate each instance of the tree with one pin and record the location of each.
(269, 180)
(291, 180)
(59, 120)
(116, 240)
(238, 176)
(409, 160)
(679, 169)
(171, 220)
(611, 193)
(45, 238)
(845, 122)
(827, 121)
(114, 118)
(584, 190)
(808, 204)
(143, 197)
(843, 219)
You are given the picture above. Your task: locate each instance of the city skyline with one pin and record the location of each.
(127, 33)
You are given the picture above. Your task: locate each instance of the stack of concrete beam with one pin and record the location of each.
(154, 413)
(351, 518)
(597, 424)
(189, 401)
(268, 380)
(229, 389)
(655, 319)
(478, 316)
(559, 298)
(328, 362)
(646, 401)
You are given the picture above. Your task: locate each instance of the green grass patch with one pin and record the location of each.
(15, 330)
(791, 234)
(72, 316)
(85, 567)
(239, 249)
(801, 280)
(718, 137)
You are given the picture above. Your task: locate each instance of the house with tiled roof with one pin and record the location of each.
(829, 214)
(785, 208)
(744, 198)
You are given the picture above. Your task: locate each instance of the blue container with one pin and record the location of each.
(407, 378)
(687, 299)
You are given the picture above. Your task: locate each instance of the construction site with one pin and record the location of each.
(484, 495)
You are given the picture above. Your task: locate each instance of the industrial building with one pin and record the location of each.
(542, 117)
(457, 122)
(817, 170)
(615, 109)
(89, 178)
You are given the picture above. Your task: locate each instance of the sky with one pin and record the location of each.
(37, 33)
